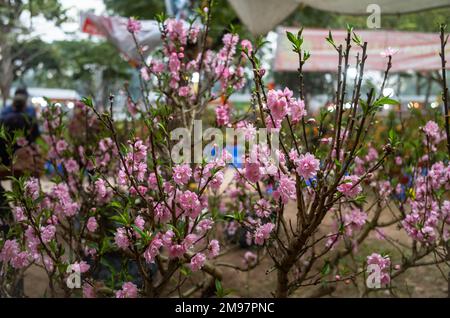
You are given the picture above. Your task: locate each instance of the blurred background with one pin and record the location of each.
(65, 49)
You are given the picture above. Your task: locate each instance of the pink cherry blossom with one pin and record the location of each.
(153, 250)
(80, 267)
(263, 208)
(285, 190)
(431, 129)
(247, 45)
(349, 187)
(48, 233)
(133, 26)
(253, 172)
(92, 224)
(197, 261)
(306, 164)
(278, 103)
(250, 258)
(88, 291)
(189, 202)
(389, 52)
(223, 114)
(183, 91)
(213, 248)
(262, 233)
(32, 188)
(129, 290)
(121, 238)
(182, 174)
(384, 264)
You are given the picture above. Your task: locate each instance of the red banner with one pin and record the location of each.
(415, 51)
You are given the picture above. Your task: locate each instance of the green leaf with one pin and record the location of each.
(330, 40)
(141, 233)
(391, 134)
(356, 38)
(338, 163)
(306, 56)
(326, 268)
(115, 204)
(87, 101)
(291, 37)
(360, 199)
(185, 270)
(219, 289)
(385, 100)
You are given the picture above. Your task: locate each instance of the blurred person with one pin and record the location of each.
(22, 157)
(30, 110)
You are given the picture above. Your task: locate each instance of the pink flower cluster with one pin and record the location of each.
(350, 186)
(223, 115)
(121, 238)
(182, 174)
(384, 264)
(422, 223)
(197, 261)
(354, 221)
(285, 190)
(11, 253)
(190, 203)
(133, 26)
(129, 290)
(306, 164)
(263, 208)
(135, 163)
(32, 188)
(281, 103)
(431, 129)
(262, 233)
(63, 204)
(92, 224)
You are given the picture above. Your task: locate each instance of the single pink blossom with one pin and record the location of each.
(92, 224)
(349, 187)
(389, 52)
(182, 174)
(197, 261)
(129, 290)
(213, 248)
(307, 165)
(133, 26)
(121, 238)
(262, 233)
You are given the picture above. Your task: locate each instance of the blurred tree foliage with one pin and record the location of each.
(304, 16)
(15, 23)
(224, 15)
(92, 68)
(95, 68)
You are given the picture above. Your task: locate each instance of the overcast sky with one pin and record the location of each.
(49, 32)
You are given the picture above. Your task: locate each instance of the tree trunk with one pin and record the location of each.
(6, 69)
(286, 264)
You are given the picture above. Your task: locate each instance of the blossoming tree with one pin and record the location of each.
(132, 221)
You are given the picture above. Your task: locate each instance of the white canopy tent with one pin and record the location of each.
(261, 16)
